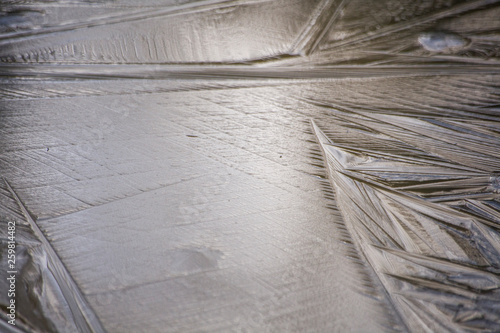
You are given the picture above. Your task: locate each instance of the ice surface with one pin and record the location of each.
(251, 165)
(441, 42)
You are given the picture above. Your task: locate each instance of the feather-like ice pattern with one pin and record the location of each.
(252, 165)
(439, 262)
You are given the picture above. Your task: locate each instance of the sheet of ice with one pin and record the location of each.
(251, 165)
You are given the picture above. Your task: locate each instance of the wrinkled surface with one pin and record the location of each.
(252, 165)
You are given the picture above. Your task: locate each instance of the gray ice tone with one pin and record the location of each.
(251, 165)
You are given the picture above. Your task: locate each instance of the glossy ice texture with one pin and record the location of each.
(251, 165)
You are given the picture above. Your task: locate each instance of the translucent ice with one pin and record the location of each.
(441, 41)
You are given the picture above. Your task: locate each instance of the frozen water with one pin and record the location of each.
(251, 165)
(441, 42)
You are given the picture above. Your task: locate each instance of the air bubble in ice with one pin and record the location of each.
(441, 41)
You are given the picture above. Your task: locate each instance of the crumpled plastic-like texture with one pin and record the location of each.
(252, 165)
